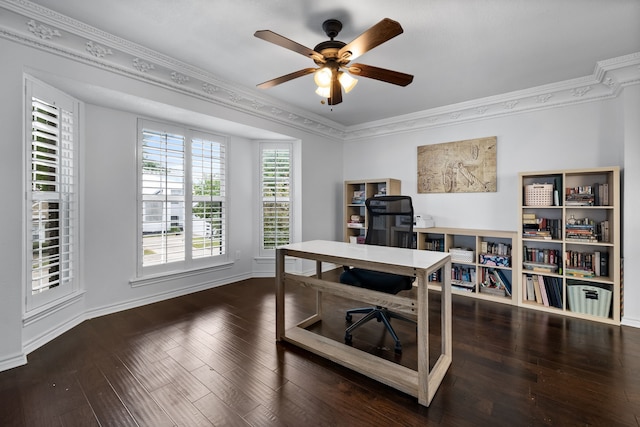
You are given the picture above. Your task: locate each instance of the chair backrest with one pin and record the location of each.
(390, 221)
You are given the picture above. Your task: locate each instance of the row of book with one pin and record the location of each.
(495, 278)
(587, 230)
(541, 228)
(463, 274)
(587, 195)
(543, 256)
(583, 230)
(434, 245)
(576, 263)
(464, 279)
(495, 248)
(586, 264)
(358, 197)
(545, 290)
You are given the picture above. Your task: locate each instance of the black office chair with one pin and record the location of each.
(390, 223)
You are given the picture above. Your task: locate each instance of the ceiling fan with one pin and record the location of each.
(333, 59)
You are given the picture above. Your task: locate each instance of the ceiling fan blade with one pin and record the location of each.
(374, 36)
(335, 96)
(382, 74)
(286, 78)
(282, 41)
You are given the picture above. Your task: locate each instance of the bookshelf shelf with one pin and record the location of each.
(355, 193)
(579, 234)
(476, 278)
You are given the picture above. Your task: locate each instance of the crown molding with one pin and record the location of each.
(38, 27)
(41, 28)
(609, 78)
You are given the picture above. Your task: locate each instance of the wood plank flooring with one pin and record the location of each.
(210, 358)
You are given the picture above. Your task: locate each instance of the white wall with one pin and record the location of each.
(560, 138)
(11, 207)
(631, 206)
(113, 103)
(592, 134)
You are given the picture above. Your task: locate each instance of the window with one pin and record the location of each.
(52, 194)
(182, 197)
(275, 187)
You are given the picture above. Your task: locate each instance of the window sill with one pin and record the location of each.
(175, 275)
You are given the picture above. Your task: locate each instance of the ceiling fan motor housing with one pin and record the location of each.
(332, 27)
(329, 49)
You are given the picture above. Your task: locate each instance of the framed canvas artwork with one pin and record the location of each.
(467, 166)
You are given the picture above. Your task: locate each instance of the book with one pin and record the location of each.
(355, 225)
(531, 296)
(604, 264)
(536, 289)
(557, 289)
(550, 294)
(557, 185)
(596, 263)
(358, 197)
(505, 281)
(604, 231)
(540, 267)
(543, 291)
(553, 291)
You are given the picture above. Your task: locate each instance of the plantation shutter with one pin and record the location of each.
(52, 196)
(163, 197)
(207, 196)
(276, 200)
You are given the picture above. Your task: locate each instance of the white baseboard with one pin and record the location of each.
(40, 340)
(114, 308)
(634, 323)
(13, 362)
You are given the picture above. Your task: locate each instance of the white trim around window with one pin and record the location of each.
(276, 196)
(52, 198)
(182, 203)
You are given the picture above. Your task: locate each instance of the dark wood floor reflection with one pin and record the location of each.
(210, 359)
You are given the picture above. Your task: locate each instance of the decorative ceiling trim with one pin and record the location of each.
(41, 28)
(609, 78)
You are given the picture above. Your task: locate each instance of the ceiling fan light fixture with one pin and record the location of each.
(347, 81)
(332, 57)
(324, 92)
(323, 77)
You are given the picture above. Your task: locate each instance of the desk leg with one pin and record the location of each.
(319, 293)
(423, 340)
(280, 253)
(445, 313)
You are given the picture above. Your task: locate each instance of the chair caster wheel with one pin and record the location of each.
(348, 338)
(348, 318)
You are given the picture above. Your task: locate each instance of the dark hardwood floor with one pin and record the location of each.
(210, 358)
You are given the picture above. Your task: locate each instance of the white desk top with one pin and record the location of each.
(379, 254)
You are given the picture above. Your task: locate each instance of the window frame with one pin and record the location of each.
(68, 219)
(188, 262)
(276, 145)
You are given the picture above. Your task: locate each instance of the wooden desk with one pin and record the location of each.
(421, 383)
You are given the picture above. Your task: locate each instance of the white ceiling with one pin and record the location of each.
(458, 50)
